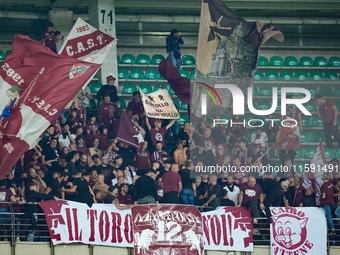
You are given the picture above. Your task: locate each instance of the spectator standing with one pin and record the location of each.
(232, 193)
(327, 200)
(187, 194)
(173, 49)
(180, 154)
(172, 185)
(145, 191)
(109, 89)
(158, 132)
(123, 196)
(214, 193)
(48, 39)
(329, 113)
(159, 153)
(142, 157)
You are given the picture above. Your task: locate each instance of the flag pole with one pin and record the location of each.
(265, 153)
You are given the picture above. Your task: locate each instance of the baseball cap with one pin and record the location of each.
(110, 78)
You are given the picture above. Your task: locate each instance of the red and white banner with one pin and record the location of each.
(159, 105)
(102, 224)
(314, 171)
(228, 229)
(167, 229)
(35, 86)
(298, 231)
(87, 43)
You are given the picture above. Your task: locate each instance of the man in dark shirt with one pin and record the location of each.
(106, 170)
(308, 200)
(111, 198)
(214, 193)
(145, 191)
(56, 185)
(51, 154)
(327, 199)
(73, 157)
(187, 194)
(136, 105)
(273, 191)
(329, 113)
(172, 48)
(110, 89)
(82, 165)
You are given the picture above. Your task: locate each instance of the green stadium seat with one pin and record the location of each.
(313, 90)
(326, 91)
(2, 55)
(334, 61)
(317, 136)
(95, 87)
(188, 60)
(122, 104)
(159, 87)
(266, 91)
(137, 74)
(156, 59)
(128, 59)
(310, 106)
(184, 106)
(337, 154)
(331, 76)
(320, 61)
(286, 76)
(258, 76)
(329, 153)
(273, 154)
(316, 76)
(192, 74)
(300, 153)
(152, 74)
(306, 121)
(118, 59)
(184, 73)
(255, 91)
(271, 75)
(146, 88)
(263, 105)
(337, 104)
(317, 122)
(304, 137)
(171, 91)
(143, 59)
(276, 61)
(183, 118)
(291, 61)
(309, 152)
(306, 61)
(129, 88)
(177, 103)
(337, 91)
(301, 76)
(263, 61)
(123, 73)
(7, 52)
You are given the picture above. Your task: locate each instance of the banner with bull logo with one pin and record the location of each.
(298, 231)
(102, 224)
(228, 229)
(167, 229)
(159, 105)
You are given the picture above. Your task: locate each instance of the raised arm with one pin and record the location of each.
(170, 124)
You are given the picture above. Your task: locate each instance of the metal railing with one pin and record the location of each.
(18, 227)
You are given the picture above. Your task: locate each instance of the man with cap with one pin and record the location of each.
(110, 89)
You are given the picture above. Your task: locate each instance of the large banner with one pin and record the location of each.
(102, 224)
(159, 105)
(228, 229)
(167, 229)
(87, 43)
(35, 86)
(299, 231)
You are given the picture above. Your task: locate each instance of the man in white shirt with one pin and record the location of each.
(232, 192)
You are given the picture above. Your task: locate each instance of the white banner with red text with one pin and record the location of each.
(298, 231)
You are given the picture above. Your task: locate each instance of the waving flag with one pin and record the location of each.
(40, 83)
(312, 176)
(87, 43)
(128, 132)
(287, 139)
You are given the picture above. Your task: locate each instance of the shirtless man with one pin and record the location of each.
(180, 154)
(100, 184)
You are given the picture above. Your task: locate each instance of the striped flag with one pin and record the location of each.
(35, 86)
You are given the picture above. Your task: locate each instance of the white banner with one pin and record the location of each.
(298, 231)
(102, 224)
(228, 229)
(159, 105)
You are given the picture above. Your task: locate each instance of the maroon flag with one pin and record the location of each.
(44, 84)
(167, 229)
(128, 132)
(314, 171)
(179, 84)
(287, 139)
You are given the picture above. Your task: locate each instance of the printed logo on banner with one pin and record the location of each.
(78, 70)
(292, 231)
